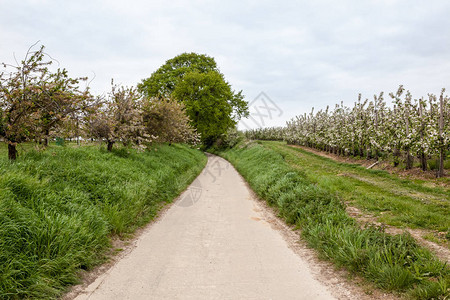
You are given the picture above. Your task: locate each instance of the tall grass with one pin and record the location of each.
(394, 201)
(394, 263)
(60, 207)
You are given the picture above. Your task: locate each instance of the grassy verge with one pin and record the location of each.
(60, 207)
(394, 263)
(394, 201)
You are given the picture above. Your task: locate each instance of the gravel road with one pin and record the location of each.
(213, 243)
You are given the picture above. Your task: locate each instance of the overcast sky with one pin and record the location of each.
(299, 53)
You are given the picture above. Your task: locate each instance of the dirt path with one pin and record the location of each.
(441, 250)
(215, 242)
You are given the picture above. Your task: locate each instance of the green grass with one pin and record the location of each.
(395, 201)
(394, 263)
(59, 209)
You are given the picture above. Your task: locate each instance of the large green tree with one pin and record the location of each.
(164, 80)
(194, 79)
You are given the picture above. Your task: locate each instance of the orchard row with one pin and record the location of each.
(405, 129)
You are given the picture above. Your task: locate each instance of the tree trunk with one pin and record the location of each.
(423, 158)
(423, 161)
(76, 132)
(110, 145)
(12, 151)
(47, 132)
(409, 159)
(440, 171)
(396, 155)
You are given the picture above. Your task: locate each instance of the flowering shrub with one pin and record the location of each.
(166, 120)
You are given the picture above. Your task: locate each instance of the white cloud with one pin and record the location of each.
(301, 53)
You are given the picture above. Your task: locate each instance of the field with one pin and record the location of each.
(313, 193)
(394, 201)
(59, 208)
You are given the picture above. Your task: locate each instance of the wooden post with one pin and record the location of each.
(409, 158)
(423, 158)
(376, 124)
(440, 172)
(396, 150)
